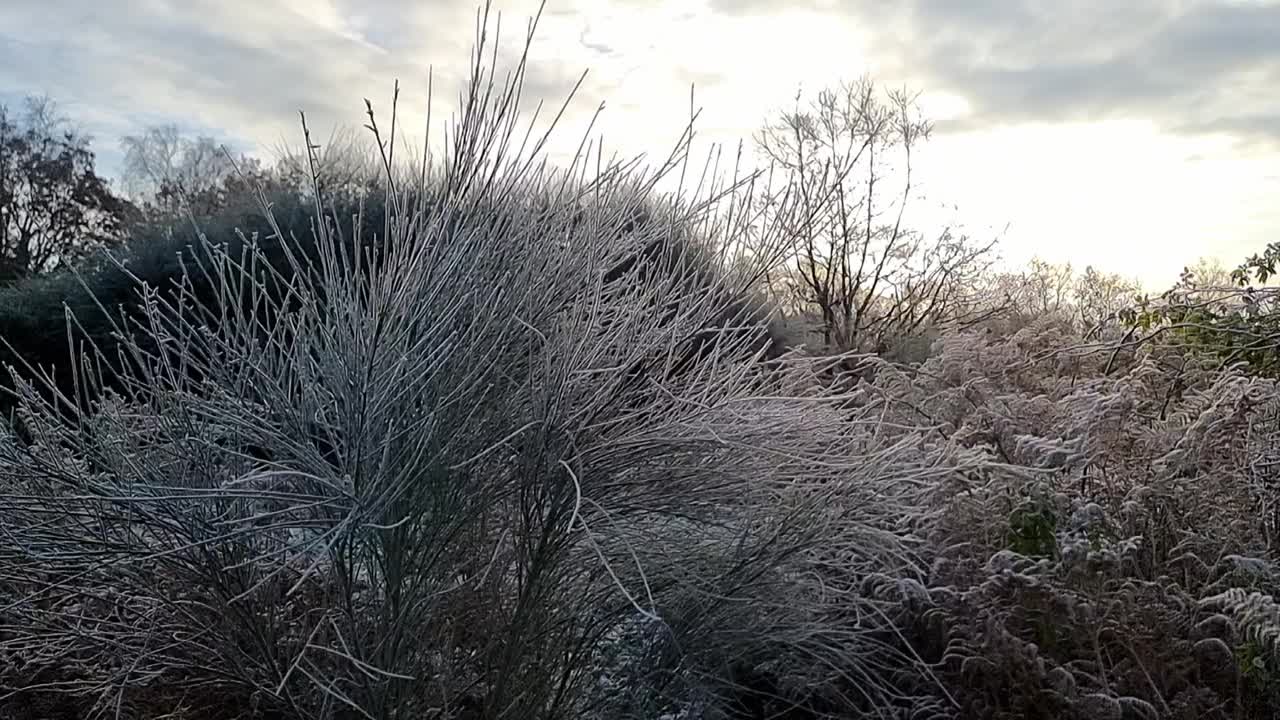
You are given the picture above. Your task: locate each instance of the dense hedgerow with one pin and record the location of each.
(105, 297)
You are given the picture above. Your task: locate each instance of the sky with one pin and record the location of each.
(1136, 136)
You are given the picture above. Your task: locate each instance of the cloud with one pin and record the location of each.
(244, 69)
(1204, 66)
(1134, 135)
(241, 71)
(1075, 122)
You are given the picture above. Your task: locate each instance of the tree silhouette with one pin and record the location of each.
(54, 207)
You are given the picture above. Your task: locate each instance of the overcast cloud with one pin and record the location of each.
(1137, 135)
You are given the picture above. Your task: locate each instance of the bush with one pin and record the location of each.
(529, 468)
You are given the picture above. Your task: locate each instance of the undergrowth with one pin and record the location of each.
(1116, 558)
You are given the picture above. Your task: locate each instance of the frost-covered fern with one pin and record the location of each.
(1067, 573)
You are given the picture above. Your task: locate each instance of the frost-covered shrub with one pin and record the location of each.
(491, 480)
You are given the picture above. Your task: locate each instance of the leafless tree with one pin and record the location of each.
(1046, 287)
(1086, 302)
(855, 266)
(1100, 297)
(172, 172)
